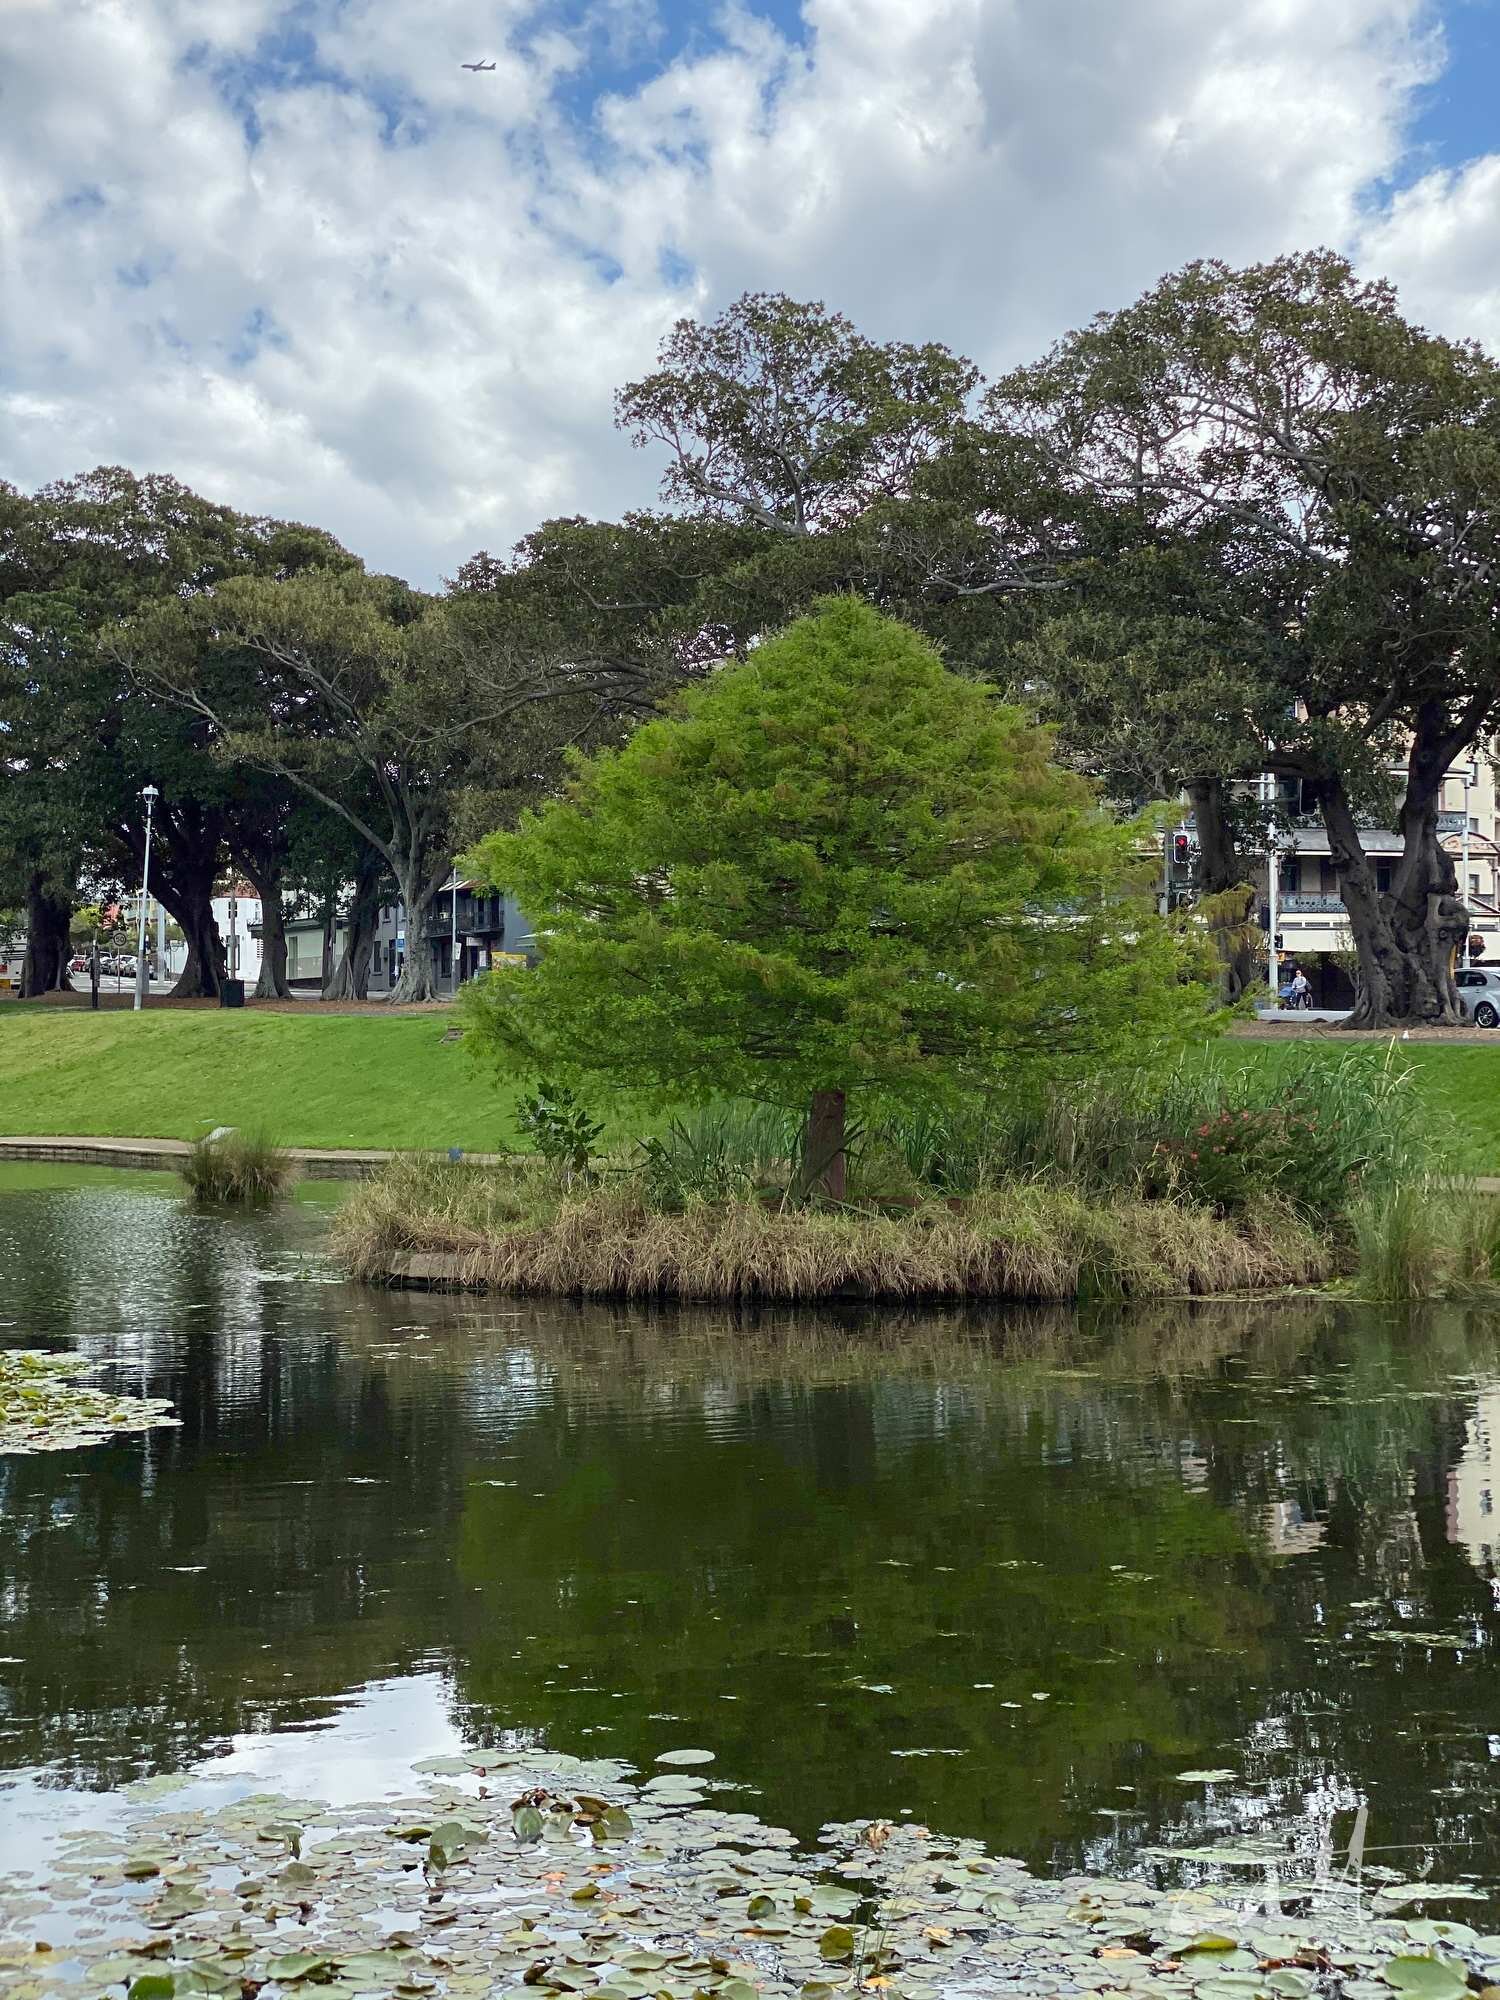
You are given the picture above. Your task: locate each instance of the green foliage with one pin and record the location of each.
(1306, 1126)
(1283, 494)
(1228, 1162)
(1398, 1234)
(784, 414)
(558, 1126)
(718, 1153)
(834, 867)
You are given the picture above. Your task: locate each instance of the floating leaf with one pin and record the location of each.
(527, 1823)
(686, 1757)
(299, 1965)
(1426, 1978)
(836, 1944)
(1206, 1777)
(175, 1903)
(153, 1986)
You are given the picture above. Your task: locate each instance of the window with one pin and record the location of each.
(1469, 978)
(1383, 877)
(1291, 877)
(1473, 885)
(375, 957)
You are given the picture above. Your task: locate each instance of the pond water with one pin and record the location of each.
(1014, 1576)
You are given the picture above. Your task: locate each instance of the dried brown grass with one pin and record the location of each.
(519, 1231)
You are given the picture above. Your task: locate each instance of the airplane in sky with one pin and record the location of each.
(477, 66)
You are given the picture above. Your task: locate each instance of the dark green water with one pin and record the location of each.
(1013, 1575)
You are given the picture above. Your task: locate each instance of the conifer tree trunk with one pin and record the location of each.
(823, 1161)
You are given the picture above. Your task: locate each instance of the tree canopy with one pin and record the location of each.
(1334, 474)
(835, 869)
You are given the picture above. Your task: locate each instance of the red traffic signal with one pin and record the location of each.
(1180, 849)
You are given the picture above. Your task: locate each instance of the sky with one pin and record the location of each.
(291, 252)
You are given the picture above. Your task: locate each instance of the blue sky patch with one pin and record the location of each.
(1459, 114)
(258, 330)
(677, 28)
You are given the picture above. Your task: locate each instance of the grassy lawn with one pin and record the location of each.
(305, 1080)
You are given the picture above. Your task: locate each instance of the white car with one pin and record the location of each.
(1479, 990)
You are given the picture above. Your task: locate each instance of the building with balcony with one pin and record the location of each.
(1311, 921)
(470, 931)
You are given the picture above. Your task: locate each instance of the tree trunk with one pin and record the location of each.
(187, 841)
(45, 966)
(271, 983)
(1224, 891)
(823, 1160)
(202, 977)
(1404, 942)
(418, 980)
(351, 978)
(330, 933)
(258, 842)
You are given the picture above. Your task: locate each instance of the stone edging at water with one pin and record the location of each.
(520, 1874)
(167, 1155)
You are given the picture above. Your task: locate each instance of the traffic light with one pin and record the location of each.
(1180, 849)
(1279, 945)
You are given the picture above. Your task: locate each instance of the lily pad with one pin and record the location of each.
(44, 1408)
(1426, 1978)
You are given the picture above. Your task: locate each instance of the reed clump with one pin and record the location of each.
(239, 1167)
(516, 1230)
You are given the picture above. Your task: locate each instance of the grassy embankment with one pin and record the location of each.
(313, 1079)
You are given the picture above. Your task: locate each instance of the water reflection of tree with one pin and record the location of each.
(789, 1512)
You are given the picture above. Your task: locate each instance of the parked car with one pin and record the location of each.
(1479, 990)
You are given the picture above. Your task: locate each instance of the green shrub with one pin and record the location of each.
(1229, 1161)
(558, 1126)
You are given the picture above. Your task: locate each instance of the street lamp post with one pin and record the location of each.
(1470, 776)
(150, 795)
(453, 932)
(1273, 886)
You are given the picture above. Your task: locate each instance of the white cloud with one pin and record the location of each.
(1440, 241)
(402, 311)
